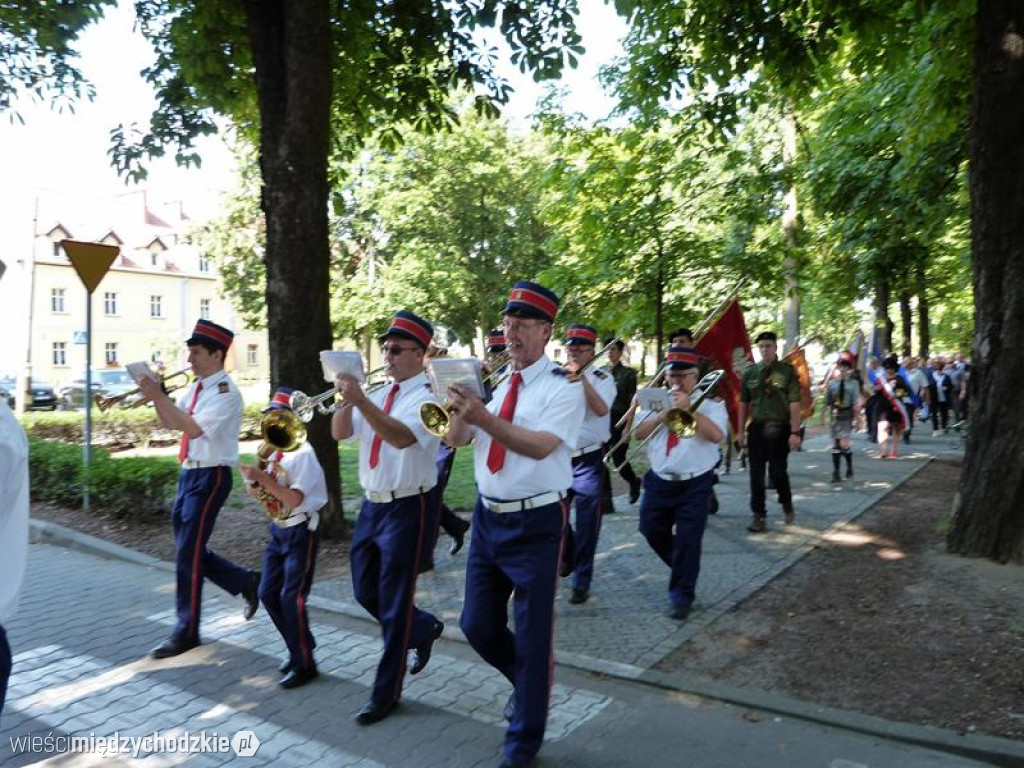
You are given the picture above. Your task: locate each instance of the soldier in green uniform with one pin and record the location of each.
(770, 396)
(625, 388)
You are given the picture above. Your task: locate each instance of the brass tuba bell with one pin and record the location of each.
(282, 431)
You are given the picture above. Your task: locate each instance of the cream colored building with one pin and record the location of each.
(144, 307)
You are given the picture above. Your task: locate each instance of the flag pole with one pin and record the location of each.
(711, 319)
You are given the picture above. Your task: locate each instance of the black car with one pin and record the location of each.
(41, 397)
(7, 390)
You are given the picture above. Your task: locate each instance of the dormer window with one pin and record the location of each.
(154, 259)
(204, 263)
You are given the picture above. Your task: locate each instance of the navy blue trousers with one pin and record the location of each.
(201, 494)
(288, 565)
(682, 506)
(386, 550)
(516, 551)
(588, 477)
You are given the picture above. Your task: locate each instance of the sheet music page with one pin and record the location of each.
(336, 362)
(655, 399)
(140, 369)
(443, 372)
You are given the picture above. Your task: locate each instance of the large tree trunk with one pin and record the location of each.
(292, 57)
(988, 513)
(906, 323)
(924, 333)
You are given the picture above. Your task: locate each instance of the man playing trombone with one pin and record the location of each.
(398, 475)
(588, 470)
(677, 489)
(209, 416)
(523, 452)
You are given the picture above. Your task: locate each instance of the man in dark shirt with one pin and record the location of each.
(625, 389)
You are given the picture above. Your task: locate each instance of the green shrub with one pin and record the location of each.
(135, 487)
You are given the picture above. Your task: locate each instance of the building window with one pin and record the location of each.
(60, 353)
(110, 303)
(56, 249)
(154, 259)
(156, 306)
(252, 355)
(57, 300)
(204, 309)
(204, 263)
(110, 353)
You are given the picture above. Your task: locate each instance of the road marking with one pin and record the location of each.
(83, 695)
(467, 689)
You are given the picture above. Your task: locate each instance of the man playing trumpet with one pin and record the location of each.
(209, 416)
(398, 475)
(523, 451)
(677, 489)
(294, 482)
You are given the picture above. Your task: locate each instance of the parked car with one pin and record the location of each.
(41, 397)
(108, 382)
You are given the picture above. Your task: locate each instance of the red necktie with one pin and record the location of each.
(375, 445)
(496, 455)
(183, 450)
(671, 443)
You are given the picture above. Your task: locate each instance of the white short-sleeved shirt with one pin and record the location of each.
(691, 455)
(399, 469)
(546, 402)
(218, 412)
(597, 429)
(13, 511)
(300, 470)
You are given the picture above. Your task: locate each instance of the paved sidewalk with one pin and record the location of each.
(90, 614)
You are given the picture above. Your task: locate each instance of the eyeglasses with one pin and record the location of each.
(394, 349)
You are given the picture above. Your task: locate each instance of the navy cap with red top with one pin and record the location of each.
(207, 332)
(282, 400)
(496, 340)
(410, 326)
(531, 300)
(681, 358)
(577, 333)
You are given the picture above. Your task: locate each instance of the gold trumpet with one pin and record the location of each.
(305, 407)
(436, 418)
(105, 402)
(282, 431)
(679, 421)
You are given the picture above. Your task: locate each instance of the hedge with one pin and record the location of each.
(131, 488)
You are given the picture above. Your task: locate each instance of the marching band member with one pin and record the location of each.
(523, 460)
(588, 470)
(677, 489)
(625, 382)
(209, 416)
(296, 482)
(398, 474)
(770, 395)
(841, 397)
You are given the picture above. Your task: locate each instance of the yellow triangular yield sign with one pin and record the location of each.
(90, 260)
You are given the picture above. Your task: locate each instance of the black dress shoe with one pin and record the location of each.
(579, 596)
(285, 666)
(173, 647)
(423, 650)
(510, 706)
(679, 612)
(634, 491)
(297, 677)
(506, 763)
(374, 712)
(565, 569)
(251, 594)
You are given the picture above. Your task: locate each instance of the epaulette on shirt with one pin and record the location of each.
(222, 387)
(559, 371)
(600, 374)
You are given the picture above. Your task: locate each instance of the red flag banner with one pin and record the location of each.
(798, 360)
(727, 345)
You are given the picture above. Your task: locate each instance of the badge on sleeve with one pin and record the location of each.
(222, 388)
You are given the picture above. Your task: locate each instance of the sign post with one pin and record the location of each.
(91, 261)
